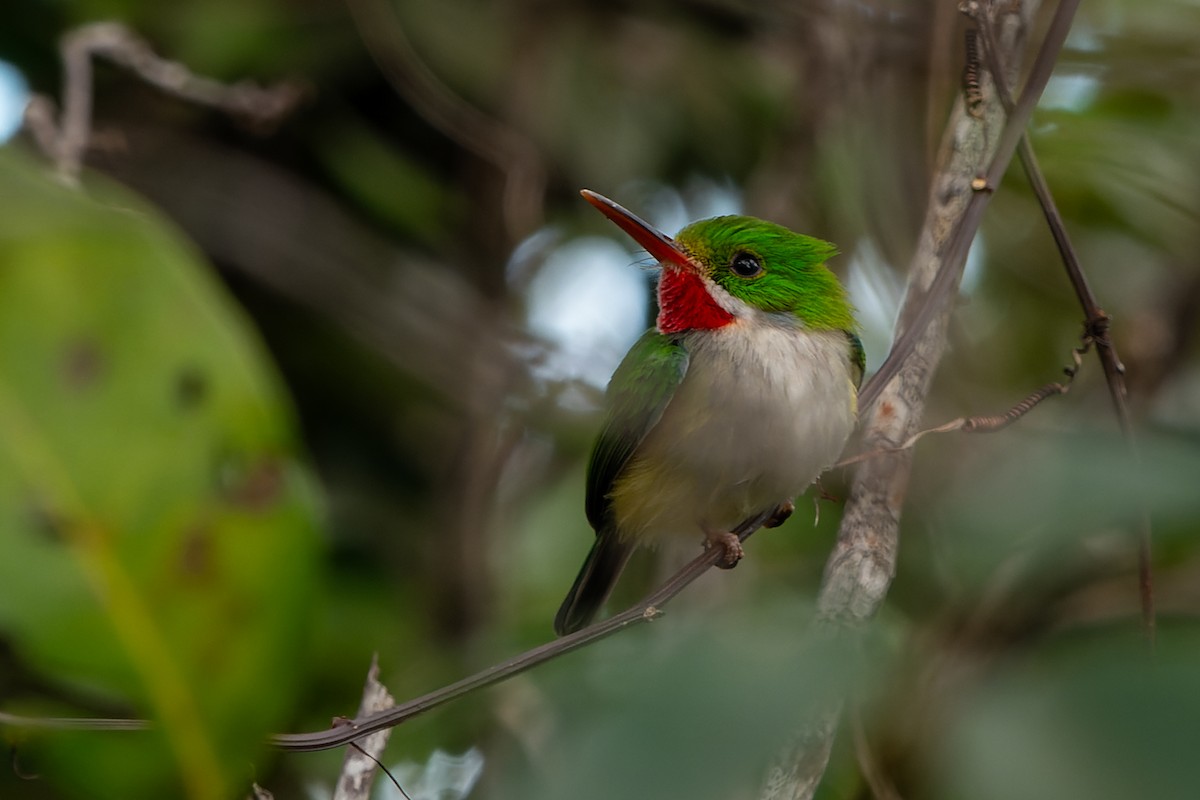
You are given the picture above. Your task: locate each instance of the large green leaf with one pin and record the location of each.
(157, 527)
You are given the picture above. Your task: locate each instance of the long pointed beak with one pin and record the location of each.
(656, 243)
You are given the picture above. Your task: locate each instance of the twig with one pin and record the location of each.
(998, 422)
(67, 141)
(1095, 326)
(382, 769)
(955, 254)
(978, 424)
(650, 608)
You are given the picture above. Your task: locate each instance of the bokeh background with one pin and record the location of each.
(275, 399)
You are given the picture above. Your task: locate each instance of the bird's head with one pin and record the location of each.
(723, 270)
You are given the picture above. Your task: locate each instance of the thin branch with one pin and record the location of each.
(650, 608)
(955, 254)
(67, 141)
(382, 768)
(990, 423)
(998, 422)
(1096, 321)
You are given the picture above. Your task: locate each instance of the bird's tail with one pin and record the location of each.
(594, 583)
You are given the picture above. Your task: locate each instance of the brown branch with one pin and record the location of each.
(989, 423)
(997, 422)
(650, 608)
(66, 141)
(1095, 326)
(955, 254)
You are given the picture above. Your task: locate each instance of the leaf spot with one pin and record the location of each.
(83, 364)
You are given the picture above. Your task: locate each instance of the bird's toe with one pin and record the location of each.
(730, 544)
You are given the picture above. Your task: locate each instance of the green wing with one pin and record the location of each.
(858, 358)
(638, 393)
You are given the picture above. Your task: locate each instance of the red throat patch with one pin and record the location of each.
(685, 304)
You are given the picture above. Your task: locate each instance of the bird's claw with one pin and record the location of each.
(731, 545)
(780, 514)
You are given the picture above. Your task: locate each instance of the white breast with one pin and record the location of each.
(762, 411)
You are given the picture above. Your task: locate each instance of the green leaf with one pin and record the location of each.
(157, 527)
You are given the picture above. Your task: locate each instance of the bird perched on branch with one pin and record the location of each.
(742, 394)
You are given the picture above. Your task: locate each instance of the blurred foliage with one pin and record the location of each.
(158, 556)
(382, 243)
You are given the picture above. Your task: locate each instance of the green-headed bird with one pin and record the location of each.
(733, 404)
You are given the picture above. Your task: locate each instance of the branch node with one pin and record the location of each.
(1096, 326)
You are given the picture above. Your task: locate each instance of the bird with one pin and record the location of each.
(740, 396)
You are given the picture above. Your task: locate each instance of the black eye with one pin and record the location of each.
(745, 265)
